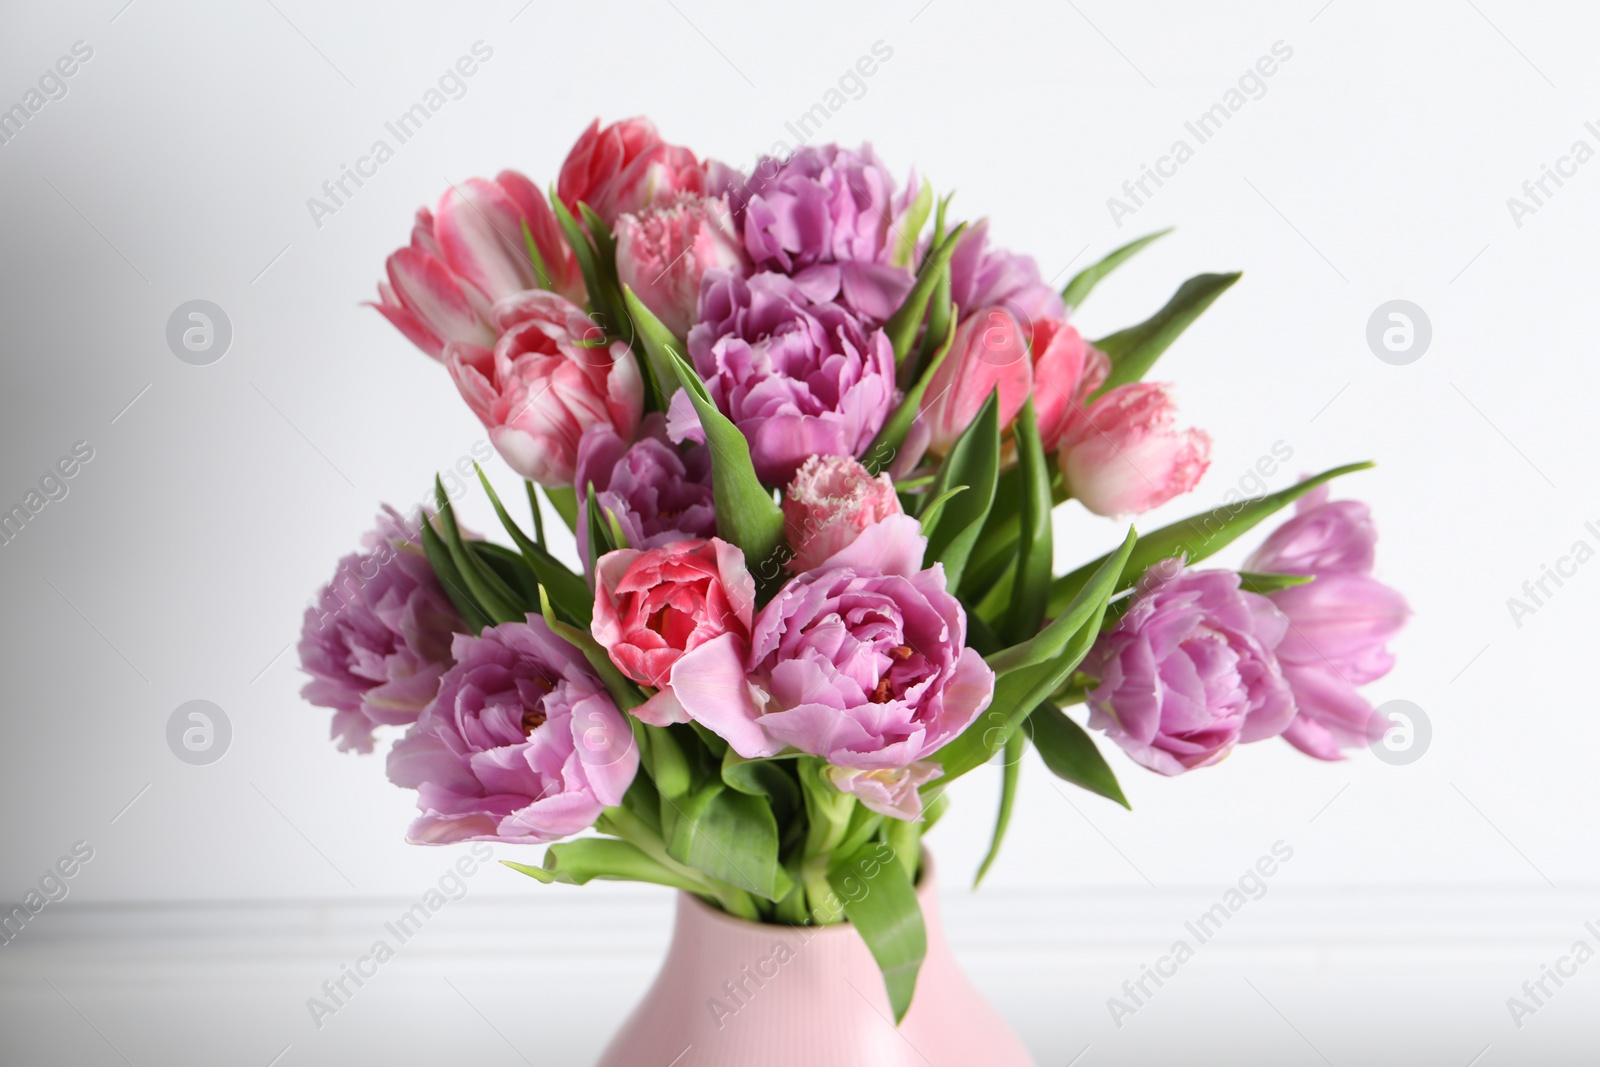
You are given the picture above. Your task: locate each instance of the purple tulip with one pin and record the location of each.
(1189, 671)
(1338, 624)
(981, 276)
(657, 492)
(800, 377)
(862, 661)
(830, 217)
(523, 743)
(377, 638)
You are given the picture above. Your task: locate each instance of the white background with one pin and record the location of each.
(1377, 165)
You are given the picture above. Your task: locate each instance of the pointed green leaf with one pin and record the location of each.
(1257, 582)
(1010, 772)
(568, 592)
(1027, 678)
(1089, 277)
(565, 501)
(587, 858)
(622, 690)
(886, 445)
(1031, 586)
(881, 903)
(1091, 597)
(747, 516)
(732, 837)
(1070, 753)
(540, 271)
(761, 778)
(905, 245)
(455, 586)
(973, 461)
(497, 599)
(902, 325)
(1135, 350)
(1198, 536)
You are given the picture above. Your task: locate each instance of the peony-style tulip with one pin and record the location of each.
(989, 352)
(828, 216)
(548, 379)
(658, 492)
(895, 794)
(1339, 624)
(624, 168)
(652, 607)
(799, 377)
(1189, 671)
(981, 277)
(1124, 455)
(831, 500)
(377, 638)
(443, 286)
(523, 743)
(1067, 370)
(664, 251)
(862, 661)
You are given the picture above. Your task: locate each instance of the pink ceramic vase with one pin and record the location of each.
(737, 994)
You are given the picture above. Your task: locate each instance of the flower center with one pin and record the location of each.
(882, 692)
(532, 719)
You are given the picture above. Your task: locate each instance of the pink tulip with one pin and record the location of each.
(651, 607)
(1124, 455)
(1067, 370)
(625, 168)
(829, 502)
(479, 229)
(895, 794)
(1339, 624)
(862, 661)
(547, 380)
(989, 351)
(664, 251)
(442, 287)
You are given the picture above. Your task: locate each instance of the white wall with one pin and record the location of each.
(1376, 166)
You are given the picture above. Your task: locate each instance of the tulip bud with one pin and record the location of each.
(831, 500)
(1125, 455)
(664, 251)
(625, 168)
(989, 351)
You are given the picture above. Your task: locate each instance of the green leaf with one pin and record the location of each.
(669, 767)
(1070, 753)
(1135, 350)
(496, 598)
(905, 245)
(1257, 582)
(540, 271)
(973, 461)
(597, 269)
(622, 690)
(1089, 277)
(886, 445)
(731, 836)
(511, 569)
(538, 512)
(587, 858)
(902, 325)
(455, 586)
(746, 513)
(881, 903)
(1198, 536)
(1010, 771)
(1091, 597)
(569, 593)
(761, 778)
(597, 527)
(565, 500)
(1031, 586)
(932, 507)
(1032, 671)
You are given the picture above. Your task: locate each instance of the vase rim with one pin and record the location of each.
(927, 881)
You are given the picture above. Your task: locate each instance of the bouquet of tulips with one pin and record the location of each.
(808, 431)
